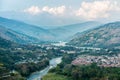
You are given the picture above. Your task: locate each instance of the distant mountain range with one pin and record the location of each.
(107, 35)
(66, 32)
(26, 29)
(21, 32)
(90, 34)
(11, 35)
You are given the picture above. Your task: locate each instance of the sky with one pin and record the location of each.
(60, 12)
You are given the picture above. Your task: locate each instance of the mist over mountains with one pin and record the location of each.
(93, 34)
(21, 32)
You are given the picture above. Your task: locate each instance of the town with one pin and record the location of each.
(104, 60)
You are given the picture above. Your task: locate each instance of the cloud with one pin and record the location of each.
(55, 10)
(97, 9)
(33, 10)
(92, 10)
(51, 10)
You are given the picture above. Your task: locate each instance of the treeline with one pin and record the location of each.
(26, 69)
(91, 72)
(12, 53)
(6, 74)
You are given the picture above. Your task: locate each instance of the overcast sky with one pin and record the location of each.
(60, 12)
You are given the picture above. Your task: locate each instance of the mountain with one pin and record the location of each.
(65, 32)
(15, 36)
(26, 29)
(104, 36)
(4, 43)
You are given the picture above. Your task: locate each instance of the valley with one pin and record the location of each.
(80, 51)
(59, 39)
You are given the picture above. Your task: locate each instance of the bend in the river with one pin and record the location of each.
(38, 75)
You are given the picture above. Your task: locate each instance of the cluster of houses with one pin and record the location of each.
(105, 61)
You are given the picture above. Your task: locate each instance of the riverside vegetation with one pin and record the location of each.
(67, 71)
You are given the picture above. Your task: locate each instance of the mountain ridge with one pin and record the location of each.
(11, 35)
(106, 35)
(26, 29)
(62, 33)
(69, 30)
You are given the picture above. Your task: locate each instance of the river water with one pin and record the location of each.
(38, 75)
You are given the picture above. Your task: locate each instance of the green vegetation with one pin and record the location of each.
(88, 72)
(24, 59)
(5, 74)
(26, 69)
(53, 76)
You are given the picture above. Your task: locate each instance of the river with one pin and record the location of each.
(39, 74)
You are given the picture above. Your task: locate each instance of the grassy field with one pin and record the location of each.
(53, 76)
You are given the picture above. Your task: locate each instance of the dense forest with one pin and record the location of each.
(20, 60)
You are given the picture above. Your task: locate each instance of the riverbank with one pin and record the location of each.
(39, 74)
